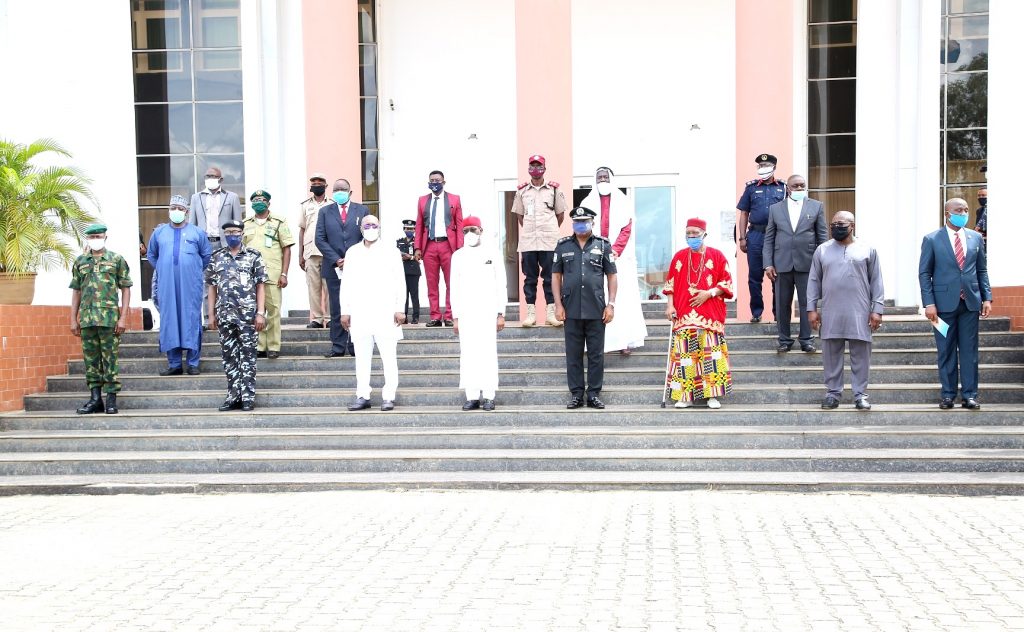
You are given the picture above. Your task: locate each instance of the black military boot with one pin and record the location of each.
(94, 405)
(111, 403)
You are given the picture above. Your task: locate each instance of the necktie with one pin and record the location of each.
(959, 250)
(344, 213)
(433, 213)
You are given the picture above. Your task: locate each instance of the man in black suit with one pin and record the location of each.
(337, 230)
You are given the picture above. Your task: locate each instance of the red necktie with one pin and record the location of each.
(344, 213)
(959, 250)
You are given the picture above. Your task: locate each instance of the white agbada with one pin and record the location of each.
(479, 293)
(372, 292)
(627, 329)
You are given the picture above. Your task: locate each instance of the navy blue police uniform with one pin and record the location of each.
(583, 271)
(407, 246)
(757, 198)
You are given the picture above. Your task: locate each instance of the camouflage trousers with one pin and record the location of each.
(238, 350)
(99, 346)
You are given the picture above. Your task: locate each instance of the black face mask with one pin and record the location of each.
(318, 189)
(840, 233)
(983, 201)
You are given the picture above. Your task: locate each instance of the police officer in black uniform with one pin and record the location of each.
(758, 195)
(407, 246)
(581, 263)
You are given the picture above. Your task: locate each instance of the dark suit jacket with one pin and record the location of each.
(788, 248)
(452, 217)
(940, 275)
(334, 239)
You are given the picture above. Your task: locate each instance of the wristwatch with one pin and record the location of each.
(612, 304)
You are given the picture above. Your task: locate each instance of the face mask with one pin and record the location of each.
(536, 172)
(233, 241)
(604, 188)
(798, 196)
(212, 183)
(96, 243)
(764, 172)
(371, 234)
(260, 207)
(694, 242)
(472, 240)
(435, 187)
(318, 189)
(410, 233)
(177, 216)
(581, 228)
(958, 220)
(839, 233)
(983, 201)
(341, 197)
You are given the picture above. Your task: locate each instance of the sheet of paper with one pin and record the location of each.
(941, 326)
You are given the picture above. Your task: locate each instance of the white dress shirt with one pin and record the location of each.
(954, 236)
(440, 230)
(795, 208)
(212, 203)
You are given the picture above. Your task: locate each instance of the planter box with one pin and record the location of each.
(17, 290)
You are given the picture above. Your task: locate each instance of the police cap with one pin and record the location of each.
(234, 223)
(408, 223)
(767, 158)
(259, 193)
(582, 213)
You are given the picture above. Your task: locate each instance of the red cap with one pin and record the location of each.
(697, 222)
(537, 158)
(471, 220)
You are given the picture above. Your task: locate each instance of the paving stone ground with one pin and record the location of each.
(452, 561)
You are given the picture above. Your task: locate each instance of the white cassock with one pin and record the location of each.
(627, 329)
(372, 292)
(479, 294)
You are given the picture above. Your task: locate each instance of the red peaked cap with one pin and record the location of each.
(697, 222)
(472, 220)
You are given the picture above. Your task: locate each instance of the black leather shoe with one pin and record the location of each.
(784, 348)
(433, 323)
(808, 348)
(273, 355)
(830, 403)
(359, 404)
(574, 402)
(352, 351)
(487, 404)
(387, 405)
(316, 324)
(971, 404)
(472, 404)
(248, 406)
(862, 403)
(171, 371)
(449, 323)
(946, 403)
(193, 370)
(94, 405)
(335, 354)
(111, 403)
(229, 405)
(755, 319)
(261, 354)
(594, 402)
(414, 321)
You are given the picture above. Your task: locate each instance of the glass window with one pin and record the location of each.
(368, 123)
(162, 77)
(232, 167)
(833, 51)
(654, 232)
(835, 200)
(967, 6)
(965, 155)
(832, 161)
(161, 28)
(163, 129)
(160, 177)
(967, 44)
(368, 70)
(367, 22)
(832, 106)
(371, 190)
(219, 75)
(967, 100)
(219, 128)
(216, 24)
(832, 11)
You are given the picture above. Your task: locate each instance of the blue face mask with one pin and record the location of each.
(233, 241)
(694, 242)
(435, 186)
(341, 197)
(958, 220)
(409, 233)
(581, 228)
(798, 196)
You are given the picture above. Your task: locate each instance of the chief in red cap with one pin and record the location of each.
(471, 220)
(698, 284)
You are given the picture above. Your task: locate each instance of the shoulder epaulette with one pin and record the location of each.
(598, 237)
(522, 186)
(751, 182)
(566, 238)
(554, 185)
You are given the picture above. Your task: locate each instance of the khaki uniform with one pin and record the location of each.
(308, 212)
(270, 238)
(539, 206)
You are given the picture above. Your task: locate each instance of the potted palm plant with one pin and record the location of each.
(41, 216)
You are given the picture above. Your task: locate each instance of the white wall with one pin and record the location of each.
(643, 74)
(69, 77)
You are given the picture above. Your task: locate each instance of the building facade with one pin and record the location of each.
(888, 107)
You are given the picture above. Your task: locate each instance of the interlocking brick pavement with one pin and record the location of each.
(453, 561)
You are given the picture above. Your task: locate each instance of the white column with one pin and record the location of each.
(1005, 139)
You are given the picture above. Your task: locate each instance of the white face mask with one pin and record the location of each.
(471, 239)
(212, 184)
(764, 172)
(96, 243)
(371, 234)
(604, 188)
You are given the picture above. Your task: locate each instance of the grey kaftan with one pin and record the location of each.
(847, 280)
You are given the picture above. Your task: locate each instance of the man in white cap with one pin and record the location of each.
(372, 307)
(479, 294)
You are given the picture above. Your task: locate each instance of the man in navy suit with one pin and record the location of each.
(955, 288)
(337, 230)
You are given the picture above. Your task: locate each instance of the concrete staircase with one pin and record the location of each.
(770, 434)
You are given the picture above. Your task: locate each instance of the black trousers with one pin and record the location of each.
(784, 286)
(590, 332)
(412, 294)
(537, 263)
(340, 341)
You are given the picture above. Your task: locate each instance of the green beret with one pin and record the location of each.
(95, 229)
(259, 193)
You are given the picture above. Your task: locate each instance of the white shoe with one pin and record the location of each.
(714, 403)
(682, 404)
(531, 316)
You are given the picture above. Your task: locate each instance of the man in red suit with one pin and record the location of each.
(438, 235)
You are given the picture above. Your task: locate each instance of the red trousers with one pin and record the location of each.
(437, 258)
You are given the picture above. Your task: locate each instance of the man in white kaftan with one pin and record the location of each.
(479, 293)
(373, 310)
(616, 222)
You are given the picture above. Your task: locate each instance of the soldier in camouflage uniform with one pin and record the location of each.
(235, 277)
(96, 317)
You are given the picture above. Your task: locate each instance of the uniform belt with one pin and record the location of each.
(757, 228)
(213, 238)
(437, 239)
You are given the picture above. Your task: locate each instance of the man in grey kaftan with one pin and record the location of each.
(846, 278)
